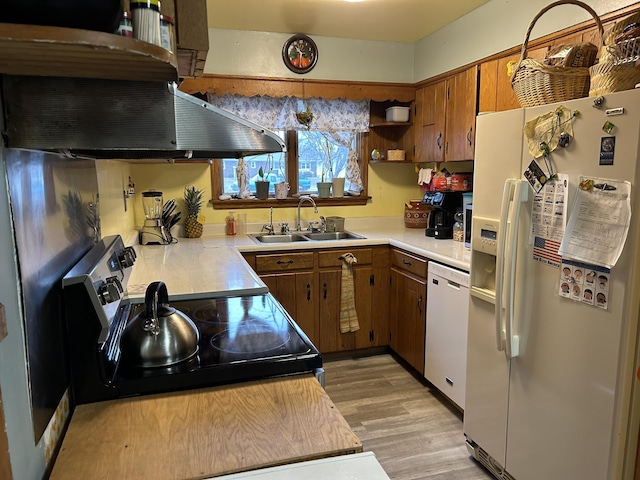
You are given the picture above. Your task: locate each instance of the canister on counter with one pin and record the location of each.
(458, 226)
(416, 215)
(167, 33)
(146, 21)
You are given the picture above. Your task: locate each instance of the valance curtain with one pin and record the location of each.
(341, 119)
(337, 115)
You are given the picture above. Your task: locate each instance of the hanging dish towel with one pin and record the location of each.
(348, 315)
(424, 178)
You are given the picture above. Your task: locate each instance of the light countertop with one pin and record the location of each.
(212, 265)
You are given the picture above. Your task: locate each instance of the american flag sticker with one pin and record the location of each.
(546, 251)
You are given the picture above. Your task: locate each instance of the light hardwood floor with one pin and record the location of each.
(414, 431)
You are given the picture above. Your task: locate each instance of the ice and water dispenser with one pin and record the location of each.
(484, 249)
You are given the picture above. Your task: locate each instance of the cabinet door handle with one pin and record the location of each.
(439, 141)
(308, 292)
(324, 287)
(282, 262)
(449, 381)
(420, 303)
(406, 262)
(470, 136)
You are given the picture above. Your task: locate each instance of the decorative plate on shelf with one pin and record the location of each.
(300, 53)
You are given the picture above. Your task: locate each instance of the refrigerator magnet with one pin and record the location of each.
(535, 176)
(607, 150)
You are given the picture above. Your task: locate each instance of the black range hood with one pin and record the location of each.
(115, 119)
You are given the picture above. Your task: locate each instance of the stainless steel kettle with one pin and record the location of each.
(160, 335)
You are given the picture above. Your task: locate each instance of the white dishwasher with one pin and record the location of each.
(445, 364)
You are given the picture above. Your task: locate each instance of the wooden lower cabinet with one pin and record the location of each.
(407, 309)
(308, 285)
(290, 278)
(297, 294)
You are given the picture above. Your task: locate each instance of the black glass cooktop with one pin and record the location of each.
(241, 338)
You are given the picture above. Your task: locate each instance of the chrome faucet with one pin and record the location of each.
(302, 200)
(269, 228)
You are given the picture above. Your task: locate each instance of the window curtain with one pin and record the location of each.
(337, 115)
(341, 119)
(352, 171)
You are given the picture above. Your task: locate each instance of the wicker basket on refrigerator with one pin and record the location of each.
(536, 83)
(617, 70)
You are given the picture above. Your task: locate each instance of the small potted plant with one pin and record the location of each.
(324, 185)
(262, 185)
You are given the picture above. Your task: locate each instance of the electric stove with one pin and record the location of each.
(241, 338)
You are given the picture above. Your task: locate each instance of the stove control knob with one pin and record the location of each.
(127, 257)
(110, 290)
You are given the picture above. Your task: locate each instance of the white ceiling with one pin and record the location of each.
(385, 20)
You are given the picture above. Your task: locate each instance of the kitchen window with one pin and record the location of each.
(329, 147)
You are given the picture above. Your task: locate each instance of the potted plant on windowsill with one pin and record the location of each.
(262, 185)
(324, 187)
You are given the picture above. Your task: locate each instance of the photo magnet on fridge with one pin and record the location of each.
(607, 150)
(535, 176)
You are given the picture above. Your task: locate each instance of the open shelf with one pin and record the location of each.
(69, 52)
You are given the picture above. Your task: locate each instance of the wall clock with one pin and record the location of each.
(300, 53)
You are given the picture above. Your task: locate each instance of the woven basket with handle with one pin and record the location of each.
(536, 83)
(616, 70)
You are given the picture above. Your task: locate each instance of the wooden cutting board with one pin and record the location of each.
(202, 433)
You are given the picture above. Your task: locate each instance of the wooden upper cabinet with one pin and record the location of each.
(496, 93)
(446, 118)
(460, 117)
(430, 124)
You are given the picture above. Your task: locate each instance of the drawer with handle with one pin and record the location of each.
(410, 263)
(331, 258)
(284, 261)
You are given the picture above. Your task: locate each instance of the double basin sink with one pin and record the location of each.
(303, 237)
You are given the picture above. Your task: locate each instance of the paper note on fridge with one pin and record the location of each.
(598, 222)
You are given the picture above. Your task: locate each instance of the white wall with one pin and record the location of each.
(496, 26)
(233, 52)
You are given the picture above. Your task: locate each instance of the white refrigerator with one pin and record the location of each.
(551, 388)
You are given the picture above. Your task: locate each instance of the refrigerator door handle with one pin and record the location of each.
(520, 196)
(507, 193)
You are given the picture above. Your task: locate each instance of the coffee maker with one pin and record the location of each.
(445, 204)
(153, 231)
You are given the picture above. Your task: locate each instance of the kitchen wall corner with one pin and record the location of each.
(117, 213)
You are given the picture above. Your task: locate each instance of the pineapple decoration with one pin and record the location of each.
(193, 204)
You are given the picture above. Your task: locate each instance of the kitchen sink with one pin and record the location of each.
(303, 237)
(333, 236)
(283, 238)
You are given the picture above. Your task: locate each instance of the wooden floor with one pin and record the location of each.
(413, 430)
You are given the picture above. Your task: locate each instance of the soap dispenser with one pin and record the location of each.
(231, 224)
